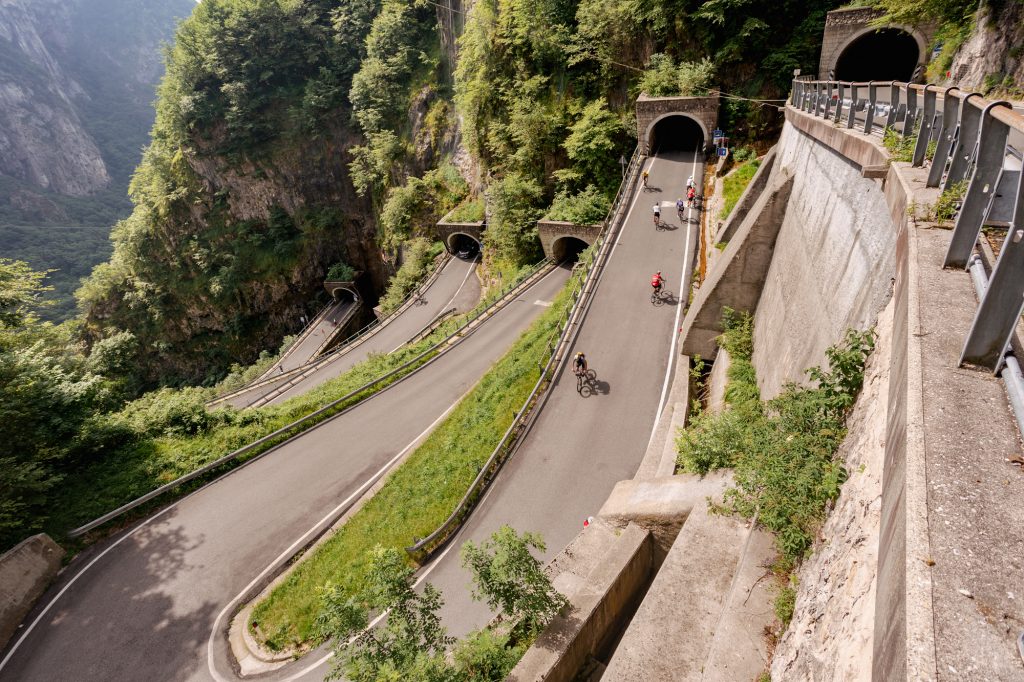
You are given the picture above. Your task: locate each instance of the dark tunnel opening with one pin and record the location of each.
(567, 250)
(887, 54)
(676, 133)
(344, 295)
(463, 246)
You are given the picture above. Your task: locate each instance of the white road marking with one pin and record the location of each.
(472, 265)
(546, 304)
(679, 311)
(305, 537)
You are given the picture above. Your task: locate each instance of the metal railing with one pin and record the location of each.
(964, 138)
(568, 325)
(438, 349)
(348, 344)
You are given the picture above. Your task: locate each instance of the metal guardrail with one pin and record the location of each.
(972, 140)
(429, 326)
(342, 348)
(303, 421)
(422, 550)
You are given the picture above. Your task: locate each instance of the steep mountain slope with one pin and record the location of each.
(76, 84)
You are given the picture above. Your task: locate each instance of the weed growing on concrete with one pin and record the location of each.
(900, 148)
(782, 451)
(948, 203)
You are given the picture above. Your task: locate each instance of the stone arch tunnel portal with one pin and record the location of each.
(463, 245)
(676, 133)
(879, 55)
(568, 249)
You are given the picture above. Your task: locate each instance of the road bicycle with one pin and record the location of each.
(585, 379)
(656, 294)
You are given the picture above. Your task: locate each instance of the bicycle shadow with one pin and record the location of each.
(651, 188)
(595, 387)
(665, 298)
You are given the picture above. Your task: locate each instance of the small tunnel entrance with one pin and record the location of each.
(676, 133)
(568, 249)
(883, 55)
(344, 295)
(463, 246)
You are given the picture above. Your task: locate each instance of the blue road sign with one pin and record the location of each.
(723, 151)
(717, 133)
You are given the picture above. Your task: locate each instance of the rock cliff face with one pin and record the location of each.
(77, 79)
(992, 57)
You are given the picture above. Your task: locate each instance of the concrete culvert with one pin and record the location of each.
(676, 133)
(463, 246)
(568, 249)
(883, 55)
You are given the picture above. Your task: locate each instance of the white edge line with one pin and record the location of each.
(445, 306)
(304, 538)
(675, 326)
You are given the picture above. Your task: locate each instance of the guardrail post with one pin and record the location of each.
(962, 155)
(952, 109)
(1003, 302)
(911, 118)
(894, 105)
(828, 102)
(839, 102)
(869, 114)
(853, 106)
(924, 135)
(991, 150)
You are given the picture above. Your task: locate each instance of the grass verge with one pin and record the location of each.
(418, 496)
(734, 183)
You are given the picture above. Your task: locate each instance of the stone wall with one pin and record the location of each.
(833, 264)
(25, 572)
(649, 110)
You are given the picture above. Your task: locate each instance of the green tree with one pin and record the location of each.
(20, 290)
(408, 644)
(512, 232)
(509, 578)
(595, 141)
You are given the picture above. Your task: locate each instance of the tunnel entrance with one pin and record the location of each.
(675, 133)
(882, 55)
(344, 295)
(568, 249)
(463, 246)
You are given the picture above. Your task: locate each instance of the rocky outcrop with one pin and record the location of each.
(76, 82)
(991, 57)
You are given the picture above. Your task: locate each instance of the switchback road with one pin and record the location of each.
(455, 287)
(150, 603)
(579, 447)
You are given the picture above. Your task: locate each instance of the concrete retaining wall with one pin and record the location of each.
(25, 572)
(834, 258)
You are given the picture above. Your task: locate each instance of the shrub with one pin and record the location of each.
(782, 451)
(341, 272)
(419, 253)
(662, 78)
(588, 207)
(469, 211)
(900, 148)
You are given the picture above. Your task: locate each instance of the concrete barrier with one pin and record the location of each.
(25, 572)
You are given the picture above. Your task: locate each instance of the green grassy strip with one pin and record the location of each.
(734, 184)
(419, 495)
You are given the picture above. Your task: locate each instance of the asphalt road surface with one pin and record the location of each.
(152, 602)
(579, 447)
(327, 326)
(456, 286)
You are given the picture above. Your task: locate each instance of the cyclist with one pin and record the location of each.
(579, 364)
(690, 194)
(657, 214)
(690, 183)
(643, 176)
(656, 281)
